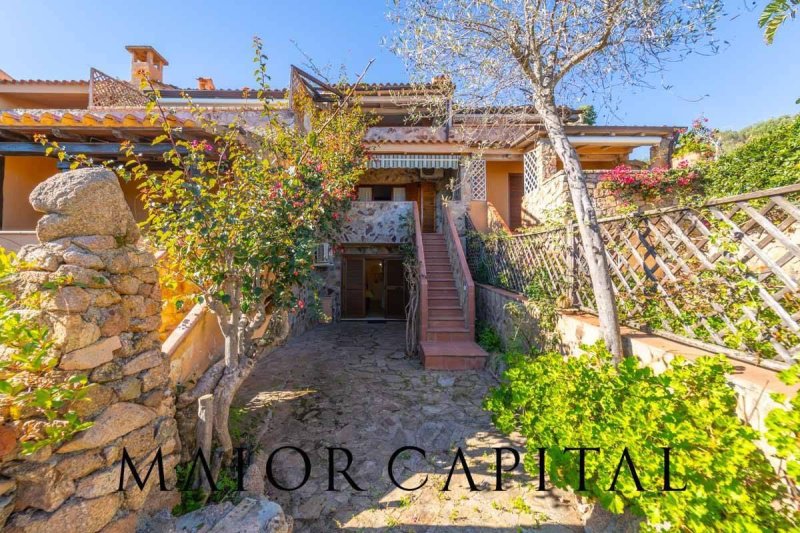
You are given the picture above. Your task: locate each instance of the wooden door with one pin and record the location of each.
(353, 299)
(428, 207)
(395, 288)
(515, 193)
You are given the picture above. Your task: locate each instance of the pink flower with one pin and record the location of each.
(301, 304)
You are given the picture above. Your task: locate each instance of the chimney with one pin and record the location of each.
(146, 62)
(205, 84)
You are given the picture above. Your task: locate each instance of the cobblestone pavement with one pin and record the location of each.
(349, 385)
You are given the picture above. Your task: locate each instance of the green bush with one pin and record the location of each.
(489, 339)
(587, 401)
(769, 160)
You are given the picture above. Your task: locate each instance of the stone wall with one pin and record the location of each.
(100, 298)
(377, 222)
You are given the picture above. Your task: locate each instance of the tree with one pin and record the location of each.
(241, 213)
(524, 51)
(774, 15)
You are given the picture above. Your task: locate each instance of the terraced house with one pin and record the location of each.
(429, 179)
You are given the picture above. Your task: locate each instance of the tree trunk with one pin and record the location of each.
(591, 239)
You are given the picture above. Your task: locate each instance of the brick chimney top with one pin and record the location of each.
(206, 84)
(146, 62)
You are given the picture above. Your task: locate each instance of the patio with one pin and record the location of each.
(350, 385)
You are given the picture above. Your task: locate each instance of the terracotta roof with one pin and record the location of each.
(44, 82)
(92, 118)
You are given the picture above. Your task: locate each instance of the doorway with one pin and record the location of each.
(373, 288)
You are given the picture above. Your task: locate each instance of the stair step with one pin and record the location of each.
(445, 313)
(445, 305)
(452, 355)
(446, 324)
(437, 284)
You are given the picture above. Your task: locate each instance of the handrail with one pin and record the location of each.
(469, 285)
(423, 276)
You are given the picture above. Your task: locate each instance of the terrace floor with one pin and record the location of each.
(350, 385)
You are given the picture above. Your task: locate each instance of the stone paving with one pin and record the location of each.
(350, 385)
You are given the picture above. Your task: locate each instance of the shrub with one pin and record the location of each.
(766, 161)
(489, 339)
(587, 401)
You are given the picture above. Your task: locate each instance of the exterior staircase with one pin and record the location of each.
(448, 334)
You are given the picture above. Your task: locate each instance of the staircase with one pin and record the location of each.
(448, 341)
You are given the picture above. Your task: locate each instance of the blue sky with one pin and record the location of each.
(748, 81)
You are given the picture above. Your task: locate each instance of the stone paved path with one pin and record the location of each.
(349, 385)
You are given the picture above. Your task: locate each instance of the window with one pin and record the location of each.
(365, 194)
(398, 194)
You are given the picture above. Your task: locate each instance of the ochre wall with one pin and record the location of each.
(22, 174)
(497, 183)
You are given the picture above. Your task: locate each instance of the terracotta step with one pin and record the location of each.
(440, 313)
(452, 355)
(438, 268)
(438, 293)
(441, 276)
(434, 284)
(449, 324)
(449, 336)
(444, 303)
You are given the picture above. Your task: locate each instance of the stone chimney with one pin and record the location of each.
(146, 62)
(206, 84)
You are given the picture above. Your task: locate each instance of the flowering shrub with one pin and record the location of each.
(699, 139)
(628, 184)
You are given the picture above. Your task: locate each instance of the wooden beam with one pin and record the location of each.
(15, 135)
(107, 149)
(2, 186)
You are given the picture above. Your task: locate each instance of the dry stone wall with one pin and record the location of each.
(101, 301)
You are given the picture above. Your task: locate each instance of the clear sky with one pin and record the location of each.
(748, 81)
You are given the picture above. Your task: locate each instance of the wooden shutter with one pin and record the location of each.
(428, 207)
(395, 289)
(515, 192)
(353, 302)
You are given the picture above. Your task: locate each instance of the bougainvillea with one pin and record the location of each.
(629, 184)
(699, 139)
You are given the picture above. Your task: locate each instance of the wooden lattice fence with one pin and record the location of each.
(725, 274)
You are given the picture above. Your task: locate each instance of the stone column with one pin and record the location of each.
(101, 301)
(661, 153)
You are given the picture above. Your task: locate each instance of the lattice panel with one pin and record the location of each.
(530, 180)
(476, 177)
(106, 91)
(725, 274)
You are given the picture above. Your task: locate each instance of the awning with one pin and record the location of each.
(414, 161)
